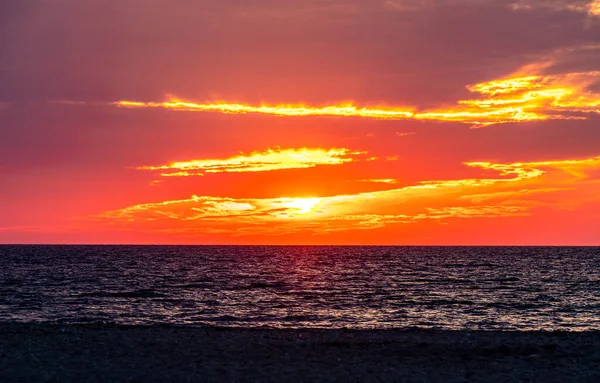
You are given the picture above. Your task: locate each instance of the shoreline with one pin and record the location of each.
(119, 353)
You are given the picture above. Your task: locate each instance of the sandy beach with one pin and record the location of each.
(108, 353)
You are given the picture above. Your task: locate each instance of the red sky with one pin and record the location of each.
(300, 122)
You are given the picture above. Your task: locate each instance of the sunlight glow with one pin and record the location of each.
(302, 205)
(513, 191)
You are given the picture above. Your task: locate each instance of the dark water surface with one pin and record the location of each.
(516, 288)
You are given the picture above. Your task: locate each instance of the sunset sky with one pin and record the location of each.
(300, 122)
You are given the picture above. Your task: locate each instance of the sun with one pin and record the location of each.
(302, 205)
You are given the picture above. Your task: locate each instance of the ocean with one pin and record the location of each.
(370, 287)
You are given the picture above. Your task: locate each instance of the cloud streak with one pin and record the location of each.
(526, 95)
(269, 160)
(289, 110)
(513, 192)
(591, 7)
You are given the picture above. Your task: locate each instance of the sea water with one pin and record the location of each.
(489, 288)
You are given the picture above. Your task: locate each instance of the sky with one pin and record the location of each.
(408, 122)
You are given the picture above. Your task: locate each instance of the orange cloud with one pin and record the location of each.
(520, 97)
(271, 159)
(473, 114)
(538, 97)
(478, 198)
(476, 211)
(593, 8)
(528, 94)
(342, 110)
(511, 193)
(380, 180)
(404, 134)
